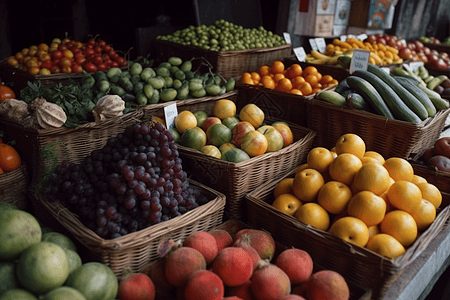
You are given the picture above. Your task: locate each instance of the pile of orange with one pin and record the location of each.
(360, 197)
(292, 80)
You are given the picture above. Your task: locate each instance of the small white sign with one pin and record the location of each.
(321, 45)
(360, 60)
(403, 42)
(343, 38)
(386, 69)
(313, 44)
(415, 65)
(300, 53)
(407, 67)
(170, 113)
(352, 36)
(287, 37)
(362, 37)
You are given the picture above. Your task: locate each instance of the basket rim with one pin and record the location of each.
(262, 89)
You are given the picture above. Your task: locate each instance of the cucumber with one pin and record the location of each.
(418, 93)
(398, 108)
(432, 84)
(344, 61)
(414, 104)
(437, 100)
(370, 94)
(128, 97)
(356, 101)
(332, 97)
(399, 71)
(349, 91)
(342, 86)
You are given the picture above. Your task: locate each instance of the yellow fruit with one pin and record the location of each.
(351, 230)
(424, 215)
(367, 207)
(375, 155)
(373, 230)
(405, 195)
(401, 226)
(287, 203)
(313, 214)
(319, 159)
(334, 197)
(368, 159)
(344, 168)
(301, 168)
(431, 193)
(399, 168)
(307, 184)
(224, 108)
(252, 114)
(385, 245)
(159, 120)
(184, 121)
(418, 179)
(283, 187)
(351, 143)
(371, 177)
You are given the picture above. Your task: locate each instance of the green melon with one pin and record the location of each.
(63, 293)
(59, 239)
(18, 294)
(8, 279)
(4, 206)
(74, 259)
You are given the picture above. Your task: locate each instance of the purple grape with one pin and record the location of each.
(165, 201)
(133, 183)
(167, 163)
(145, 129)
(145, 204)
(121, 189)
(151, 156)
(101, 221)
(141, 158)
(160, 127)
(139, 172)
(140, 189)
(154, 132)
(146, 194)
(110, 212)
(130, 202)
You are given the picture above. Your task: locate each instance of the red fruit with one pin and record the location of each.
(242, 291)
(223, 238)
(262, 241)
(157, 275)
(181, 263)
(204, 284)
(270, 282)
(233, 298)
(292, 297)
(327, 284)
(136, 286)
(300, 289)
(251, 251)
(427, 154)
(233, 265)
(241, 233)
(205, 243)
(296, 263)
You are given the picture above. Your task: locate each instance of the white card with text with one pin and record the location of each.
(321, 45)
(313, 44)
(300, 53)
(170, 113)
(360, 60)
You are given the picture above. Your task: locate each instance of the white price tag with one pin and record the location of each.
(403, 42)
(343, 38)
(170, 113)
(351, 36)
(362, 37)
(300, 53)
(415, 65)
(385, 69)
(287, 37)
(407, 67)
(313, 44)
(321, 45)
(360, 60)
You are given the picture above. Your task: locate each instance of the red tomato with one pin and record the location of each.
(97, 59)
(46, 64)
(106, 48)
(77, 68)
(66, 70)
(57, 54)
(114, 64)
(98, 49)
(89, 51)
(44, 57)
(80, 60)
(102, 67)
(90, 67)
(55, 69)
(91, 43)
(62, 47)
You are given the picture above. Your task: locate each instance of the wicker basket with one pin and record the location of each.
(13, 187)
(232, 227)
(135, 250)
(386, 136)
(226, 63)
(440, 179)
(353, 262)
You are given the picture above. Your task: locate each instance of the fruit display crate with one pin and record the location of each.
(352, 261)
(226, 63)
(166, 292)
(386, 136)
(13, 187)
(135, 250)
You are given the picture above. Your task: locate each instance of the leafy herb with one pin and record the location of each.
(49, 158)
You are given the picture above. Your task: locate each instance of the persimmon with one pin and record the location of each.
(9, 158)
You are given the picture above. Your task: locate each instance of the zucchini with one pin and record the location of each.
(418, 93)
(437, 100)
(414, 104)
(342, 86)
(356, 101)
(370, 94)
(332, 97)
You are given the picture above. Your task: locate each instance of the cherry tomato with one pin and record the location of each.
(102, 67)
(89, 51)
(97, 59)
(106, 48)
(114, 64)
(91, 43)
(77, 68)
(57, 54)
(113, 55)
(90, 67)
(98, 49)
(102, 43)
(121, 61)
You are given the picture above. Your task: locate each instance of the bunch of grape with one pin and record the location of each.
(136, 180)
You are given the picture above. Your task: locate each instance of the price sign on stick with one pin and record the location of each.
(360, 60)
(300, 53)
(313, 44)
(321, 45)
(287, 37)
(343, 38)
(170, 113)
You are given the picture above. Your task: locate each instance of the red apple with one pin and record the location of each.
(442, 146)
(382, 41)
(439, 162)
(371, 38)
(411, 46)
(136, 286)
(426, 50)
(427, 154)
(405, 53)
(419, 44)
(239, 131)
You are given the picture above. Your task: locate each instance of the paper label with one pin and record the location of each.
(385, 69)
(343, 38)
(300, 53)
(321, 45)
(170, 113)
(362, 37)
(407, 67)
(313, 44)
(415, 65)
(360, 60)
(287, 37)
(403, 42)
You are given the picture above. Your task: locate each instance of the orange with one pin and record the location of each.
(293, 71)
(287, 203)
(418, 179)
(315, 90)
(296, 92)
(424, 215)
(185, 120)
(431, 193)
(312, 79)
(375, 155)
(284, 85)
(351, 143)
(334, 197)
(385, 245)
(301, 168)
(255, 76)
(333, 82)
(351, 230)
(245, 75)
(401, 226)
(277, 67)
(344, 168)
(319, 158)
(277, 77)
(367, 207)
(305, 88)
(283, 187)
(313, 214)
(319, 77)
(224, 108)
(371, 177)
(405, 195)
(247, 80)
(373, 230)
(307, 184)
(310, 70)
(268, 82)
(385, 198)
(399, 168)
(326, 79)
(297, 80)
(367, 159)
(264, 70)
